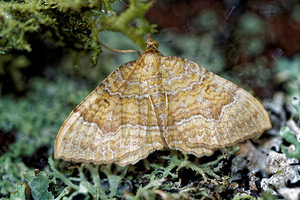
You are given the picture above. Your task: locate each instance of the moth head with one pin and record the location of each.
(151, 43)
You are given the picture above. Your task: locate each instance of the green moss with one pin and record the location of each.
(62, 25)
(69, 23)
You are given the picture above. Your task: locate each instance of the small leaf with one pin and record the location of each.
(39, 185)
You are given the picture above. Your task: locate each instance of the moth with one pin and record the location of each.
(159, 102)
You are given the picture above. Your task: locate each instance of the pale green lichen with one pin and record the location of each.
(33, 120)
(20, 194)
(11, 169)
(285, 132)
(39, 184)
(240, 196)
(288, 73)
(161, 176)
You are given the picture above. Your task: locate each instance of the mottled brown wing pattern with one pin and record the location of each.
(115, 123)
(208, 112)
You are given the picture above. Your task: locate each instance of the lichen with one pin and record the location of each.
(32, 121)
(38, 184)
(283, 167)
(289, 137)
(162, 176)
(286, 133)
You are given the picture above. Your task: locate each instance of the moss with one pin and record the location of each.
(68, 23)
(61, 25)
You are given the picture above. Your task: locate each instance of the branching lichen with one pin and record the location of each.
(160, 178)
(11, 170)
(286, 133)
(33, 121)
(289, 137)
(288, 73)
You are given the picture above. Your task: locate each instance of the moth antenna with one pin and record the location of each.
(120, 50)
